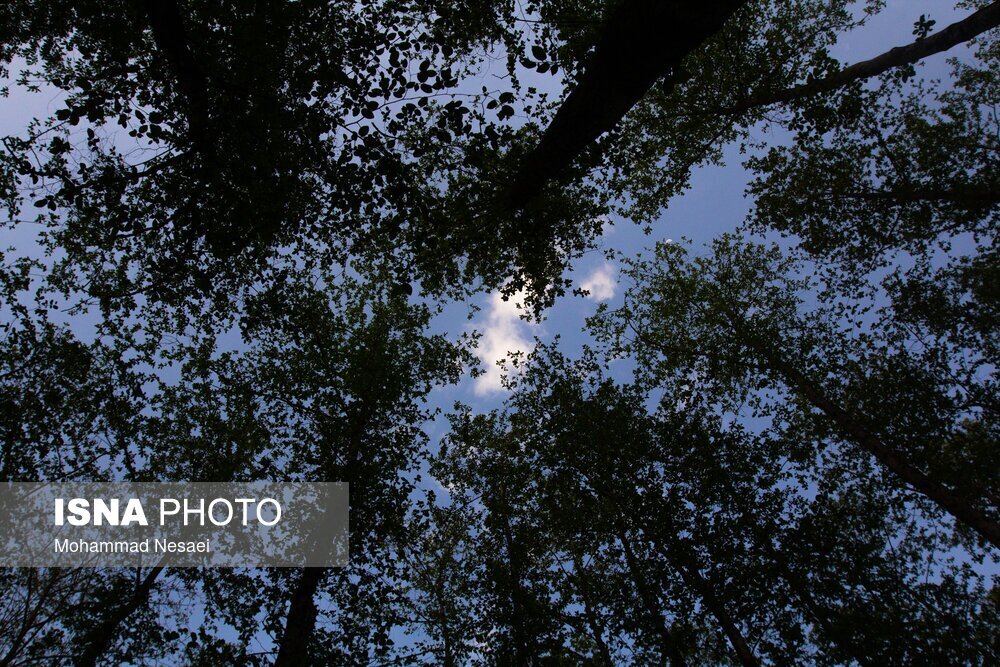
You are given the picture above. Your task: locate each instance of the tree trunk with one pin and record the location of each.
(641, 42)
(822, 617)
(524, 655)
(300, 622)
(99, 640)
(447, 645)
(668, 645)
(942, 496)
(696, 582)
(588, 609)
(293, 649)
(172, 41)
(946, 499)
(799, 589)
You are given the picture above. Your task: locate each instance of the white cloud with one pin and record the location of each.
(601, 283)
(502, 333)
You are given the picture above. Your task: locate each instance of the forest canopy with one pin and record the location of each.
(236, 236)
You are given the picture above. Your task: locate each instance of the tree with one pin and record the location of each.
(714, 544)
(590, 456)
(733, 320)
(333, 141)
(340, 386)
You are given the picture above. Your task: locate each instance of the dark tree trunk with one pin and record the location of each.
(799, 590)
(596, 631)
(293, 649)
(642, 41)
(693, 580)
(715, 606)
(668, 645)
(951, 502)
(300, 622)
(822, 618)
(172, 41)
(523, 653)
(946, 499)
(101, 638)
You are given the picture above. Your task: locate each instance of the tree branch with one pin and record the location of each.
(985, 19)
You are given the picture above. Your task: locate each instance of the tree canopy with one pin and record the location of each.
(233, 230)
